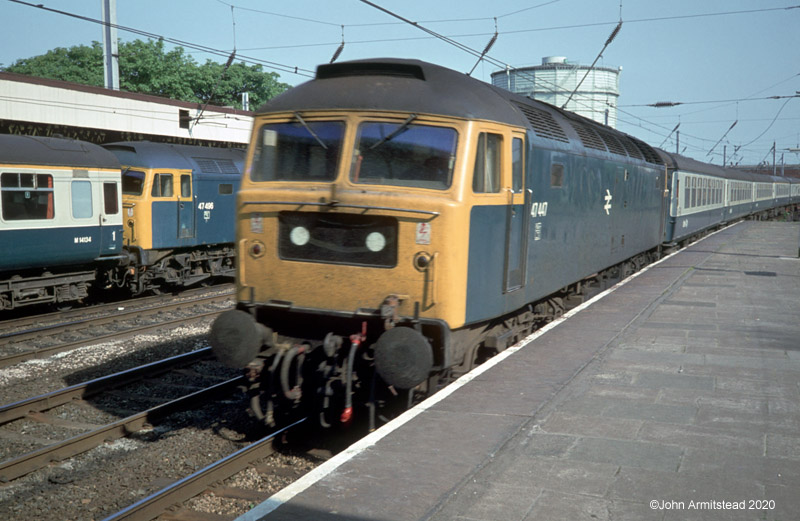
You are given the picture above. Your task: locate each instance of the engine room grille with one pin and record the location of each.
(334, 238)
(589, 137)
(216, 166)
(543, 123)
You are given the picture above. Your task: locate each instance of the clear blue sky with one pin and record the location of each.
(688, 51)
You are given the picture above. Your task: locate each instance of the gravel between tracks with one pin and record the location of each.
(108, 478)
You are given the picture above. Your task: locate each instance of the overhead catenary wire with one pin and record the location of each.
(486, 49)
(665, 104)
(338, 49)
(218, 52)
(483, 18)
(309, 73)
(610, 39)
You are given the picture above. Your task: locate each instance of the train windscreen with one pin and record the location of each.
(403, 154)
(298, 151)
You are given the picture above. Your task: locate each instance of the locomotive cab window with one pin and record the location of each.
(402, 154)
(298, 151)
(486, 177)
(162, 185)
(517, 162)
(225, 189)
(133, 182)
(26, 196)
(186, 185)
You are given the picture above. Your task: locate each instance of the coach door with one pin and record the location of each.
(517, 219)
(110, 219)
(186, 213)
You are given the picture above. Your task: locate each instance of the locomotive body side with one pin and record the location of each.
(578, 211)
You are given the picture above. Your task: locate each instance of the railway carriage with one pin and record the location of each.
(60, 219)
(178, 203)
(397, 218)
(794, 190)
(702, 196)
(783, 190)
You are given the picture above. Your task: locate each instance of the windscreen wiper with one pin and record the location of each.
(310, 130)
(397, 131)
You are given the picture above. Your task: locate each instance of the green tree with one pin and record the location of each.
(79, 64)
(147, 67)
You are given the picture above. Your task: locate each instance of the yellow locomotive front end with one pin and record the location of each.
(338, 214)
(346, 229)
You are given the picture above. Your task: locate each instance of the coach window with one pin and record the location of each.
(487, 164)
(81, 199)
(162, 185)
(687, 193)
(110, 198)
(26, 196)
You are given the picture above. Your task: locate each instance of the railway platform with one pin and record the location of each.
(673, 396)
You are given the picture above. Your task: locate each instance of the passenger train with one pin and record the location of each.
(72, 220)
(398, 222)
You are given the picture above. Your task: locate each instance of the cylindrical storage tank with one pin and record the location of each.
(555, 79)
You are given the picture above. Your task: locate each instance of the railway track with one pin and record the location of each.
(206, 480)
(24, 341)
(39, 319)
(33, 409)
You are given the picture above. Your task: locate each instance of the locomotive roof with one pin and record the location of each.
(207, 160)
(51, 151)
(414, 86)
(396, 85)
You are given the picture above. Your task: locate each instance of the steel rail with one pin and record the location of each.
(104, 308)
(18, 336)
(16, 467)
(15, 358)
(156, 504)
(20, 409)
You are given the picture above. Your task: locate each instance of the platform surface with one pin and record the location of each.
(674, 397)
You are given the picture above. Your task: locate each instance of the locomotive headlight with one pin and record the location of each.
(375, 242)
(299, 236)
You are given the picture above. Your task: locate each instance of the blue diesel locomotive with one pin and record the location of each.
(399, 221)
(178, 203)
